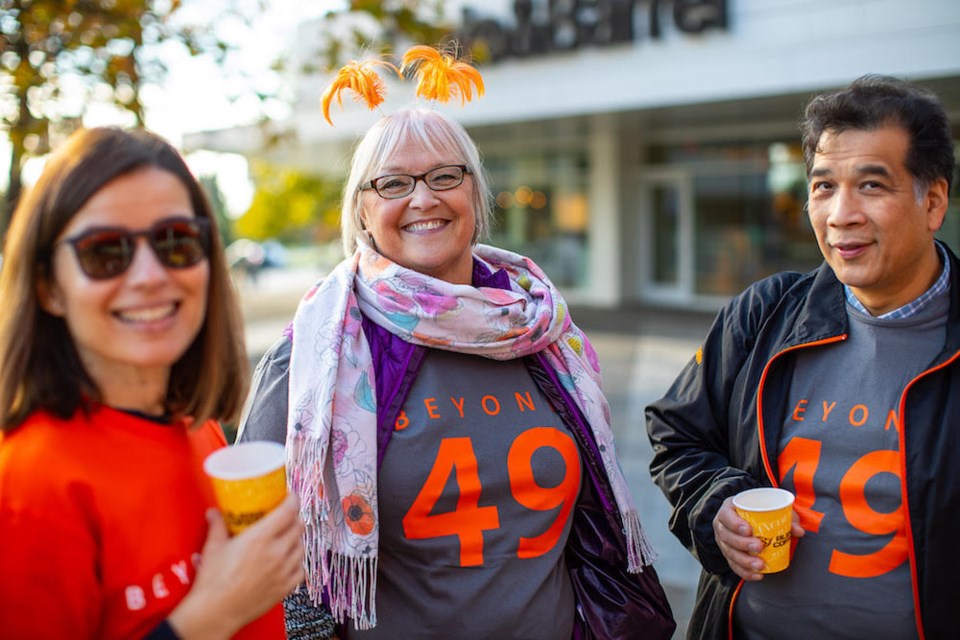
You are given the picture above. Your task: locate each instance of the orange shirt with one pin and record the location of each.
(101, 523)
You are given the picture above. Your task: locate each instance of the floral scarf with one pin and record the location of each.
(332, 424)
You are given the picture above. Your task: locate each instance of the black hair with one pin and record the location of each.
(875, 101)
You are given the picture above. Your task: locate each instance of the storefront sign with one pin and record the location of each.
(545, 26)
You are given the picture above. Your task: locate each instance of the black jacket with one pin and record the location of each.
(716, 433)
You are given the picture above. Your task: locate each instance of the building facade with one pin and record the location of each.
(646, 152)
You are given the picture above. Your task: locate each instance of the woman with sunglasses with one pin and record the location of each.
(449, 438)
(120, 348)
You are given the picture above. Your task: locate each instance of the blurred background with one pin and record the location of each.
(644, 152)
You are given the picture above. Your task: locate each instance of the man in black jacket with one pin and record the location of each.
(841, 385)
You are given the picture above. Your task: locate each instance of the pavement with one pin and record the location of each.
(640, 351)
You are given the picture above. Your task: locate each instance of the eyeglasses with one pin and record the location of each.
(106, 252)
(399, 185)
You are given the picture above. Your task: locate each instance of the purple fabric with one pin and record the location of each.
(580, 425)
(396, 363)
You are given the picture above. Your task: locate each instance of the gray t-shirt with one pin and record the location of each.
(840, 454)
(475, 493)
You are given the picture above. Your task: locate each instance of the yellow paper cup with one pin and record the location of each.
(249, 480)
(770, 512)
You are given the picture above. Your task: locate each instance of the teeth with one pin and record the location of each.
(425, 226)
(149, 314)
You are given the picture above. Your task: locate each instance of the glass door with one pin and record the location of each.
(666, 237)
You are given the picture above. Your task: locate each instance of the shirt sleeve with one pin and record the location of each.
(265, 413)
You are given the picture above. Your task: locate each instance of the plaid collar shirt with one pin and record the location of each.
(939, 288)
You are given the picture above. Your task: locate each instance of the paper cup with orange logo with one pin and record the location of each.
(249, 480)
(770, 513)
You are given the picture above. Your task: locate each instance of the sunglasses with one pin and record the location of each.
(106, 252)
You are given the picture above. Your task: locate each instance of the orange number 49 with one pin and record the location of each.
(803, 456)
(469, 520)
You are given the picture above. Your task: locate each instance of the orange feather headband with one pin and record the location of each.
(440, 76)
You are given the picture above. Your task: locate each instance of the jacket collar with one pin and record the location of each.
(823, 313)
(953, 318)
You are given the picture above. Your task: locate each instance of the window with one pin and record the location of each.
(541, 211)
(749, 219)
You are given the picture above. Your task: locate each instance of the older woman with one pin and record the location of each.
(120, 347)
(445, 424)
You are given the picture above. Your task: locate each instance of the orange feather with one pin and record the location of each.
(361, 78)
(440, 76)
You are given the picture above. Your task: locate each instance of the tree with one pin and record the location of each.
(59, 56)
(291, 206)
(420, 21)
(298, 207)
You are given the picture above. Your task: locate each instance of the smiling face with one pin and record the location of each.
(427, 231)
(133, 327)
(873, 231)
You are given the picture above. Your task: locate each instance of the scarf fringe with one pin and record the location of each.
(304, 477)
(353, 589)
(640, 553)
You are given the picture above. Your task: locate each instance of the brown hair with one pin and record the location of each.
(39, 364)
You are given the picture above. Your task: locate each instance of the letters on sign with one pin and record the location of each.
(545, 26)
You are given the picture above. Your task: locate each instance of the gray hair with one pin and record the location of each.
(438, 134)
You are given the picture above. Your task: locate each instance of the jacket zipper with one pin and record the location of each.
(763, 443)
(903, 490)
(763, 380)
(903, 472)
